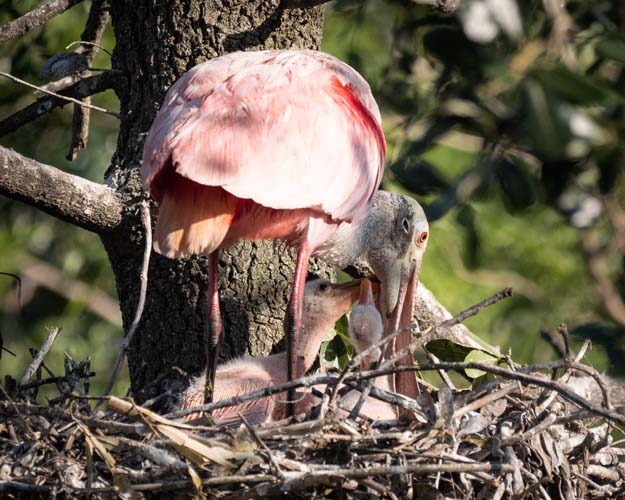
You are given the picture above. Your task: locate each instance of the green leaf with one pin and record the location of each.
(448, 350)
(478, 356)
(418, 176)
(484, 379)
(572, 87)
(548, 133)
(517, 184)
(612, 48)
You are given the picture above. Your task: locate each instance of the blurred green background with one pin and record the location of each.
(504, 119)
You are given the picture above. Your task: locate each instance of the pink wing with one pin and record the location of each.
(287, 129)
(255, 412)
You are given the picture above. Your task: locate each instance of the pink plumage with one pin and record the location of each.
(294, 131)
(324, 304)
(262, 145)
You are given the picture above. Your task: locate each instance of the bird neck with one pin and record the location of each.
(312, 335)
(347, 245)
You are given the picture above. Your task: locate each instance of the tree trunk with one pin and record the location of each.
(156, 43)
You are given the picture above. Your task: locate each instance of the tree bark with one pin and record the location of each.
(156, 43)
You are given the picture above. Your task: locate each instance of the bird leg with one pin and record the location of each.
(293, 323)
(214, 325)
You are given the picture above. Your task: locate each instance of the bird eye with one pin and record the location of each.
(422, 238)
(324, 287)
(405, 223)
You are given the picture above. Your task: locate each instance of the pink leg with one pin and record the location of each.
(215, 327)
(293, 321)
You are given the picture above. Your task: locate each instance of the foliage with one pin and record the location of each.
(509, 135)
(508, 126)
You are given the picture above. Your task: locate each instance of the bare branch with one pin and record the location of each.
(86, 204)
(94, 27)
(63, 97)
(143, 278)
(91, 35)
(80, 128)
(34, 18)
(32, 368)
(86, 87)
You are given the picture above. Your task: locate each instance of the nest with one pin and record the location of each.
(523, 433)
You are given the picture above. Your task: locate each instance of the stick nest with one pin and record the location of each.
(523, 434)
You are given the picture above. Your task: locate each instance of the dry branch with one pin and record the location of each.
(143, 279)
(86, 204)
(83, 88)
(34, 18)
(36, 362)
(91, 35)
(459, 458)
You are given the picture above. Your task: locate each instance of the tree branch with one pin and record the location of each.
(83, 88)
(96, 23)
(86, 204)
(34, 18)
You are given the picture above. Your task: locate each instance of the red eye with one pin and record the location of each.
(422, 238)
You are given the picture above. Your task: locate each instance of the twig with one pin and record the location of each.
(82, 88)
(51, 380)
(544, 424)
(91, 35)
(32, 368)
(567, 358)
(85, 42)
(441, 373)
(484, 400)
(34, 18)
(143, 280)
(18, 486)
(393, 398)
(12, 403)
(426, 337)
(297, 481)
(59, 96)
(261, 444)
(520, 374)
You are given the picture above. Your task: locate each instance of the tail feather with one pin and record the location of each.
(193, 219)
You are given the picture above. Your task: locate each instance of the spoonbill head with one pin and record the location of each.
(391, 241)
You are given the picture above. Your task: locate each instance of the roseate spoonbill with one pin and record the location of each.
(324, 303)
(262, 145)
(391, 241)
(365, 329)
